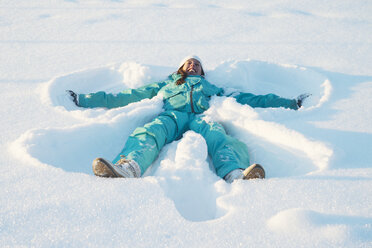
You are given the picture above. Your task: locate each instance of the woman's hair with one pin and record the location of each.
(184, 75)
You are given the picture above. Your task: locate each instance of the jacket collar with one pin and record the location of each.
(192, 79)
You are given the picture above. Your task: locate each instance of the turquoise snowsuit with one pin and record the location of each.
(183, 108)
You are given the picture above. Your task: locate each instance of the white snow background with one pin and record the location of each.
(318, 191)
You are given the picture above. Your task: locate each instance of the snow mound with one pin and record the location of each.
(186, 178)
(314, 225)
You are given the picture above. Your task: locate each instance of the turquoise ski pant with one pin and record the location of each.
(145, 143)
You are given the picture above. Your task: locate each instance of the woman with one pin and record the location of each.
(186, 96)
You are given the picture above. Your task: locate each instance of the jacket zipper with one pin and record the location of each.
(192, 105)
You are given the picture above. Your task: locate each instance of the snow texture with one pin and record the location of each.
(318, 159)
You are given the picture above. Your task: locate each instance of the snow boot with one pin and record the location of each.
(123, 168)
(252, 172)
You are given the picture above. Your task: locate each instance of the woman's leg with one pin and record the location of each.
(227, 153)
(145, 143)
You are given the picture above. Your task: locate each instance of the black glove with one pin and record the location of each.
(73, 97)
(301, 98)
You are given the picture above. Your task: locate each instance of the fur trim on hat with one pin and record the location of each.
(190, 57)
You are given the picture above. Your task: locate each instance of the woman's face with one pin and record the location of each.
(192, 67)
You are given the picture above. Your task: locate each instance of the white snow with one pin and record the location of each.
(318, 159)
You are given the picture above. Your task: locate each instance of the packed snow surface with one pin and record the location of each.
(318, 159)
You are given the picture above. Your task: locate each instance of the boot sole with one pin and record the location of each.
(103, 168)
(253, 172)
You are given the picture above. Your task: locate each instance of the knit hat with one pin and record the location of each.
(190, 57)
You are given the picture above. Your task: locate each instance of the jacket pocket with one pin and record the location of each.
(168, 95)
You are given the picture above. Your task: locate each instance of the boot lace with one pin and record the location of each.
(122, 160)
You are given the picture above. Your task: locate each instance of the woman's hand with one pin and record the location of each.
(73, 97)
(300, 99)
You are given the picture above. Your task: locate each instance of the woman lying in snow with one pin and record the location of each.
(186, 96)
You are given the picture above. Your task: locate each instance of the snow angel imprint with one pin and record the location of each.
(186, 94)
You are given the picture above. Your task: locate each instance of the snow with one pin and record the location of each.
(317, 159)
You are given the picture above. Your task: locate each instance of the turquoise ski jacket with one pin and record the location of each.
(192, 97)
